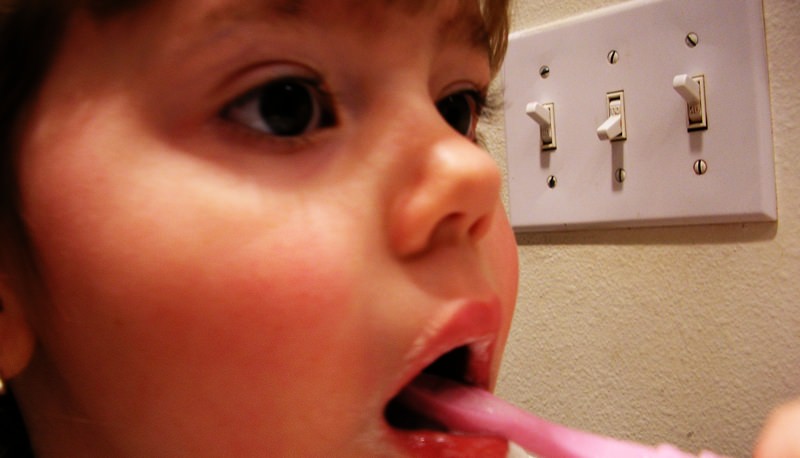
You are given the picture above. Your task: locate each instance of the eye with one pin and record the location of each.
(287, 107)
(461, 110)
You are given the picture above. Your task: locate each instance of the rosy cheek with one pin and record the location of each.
(296, 295)
(503, 258)
(278, 322)
(155, 277)
(261, 298)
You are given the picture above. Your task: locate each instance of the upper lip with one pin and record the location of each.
(474, 324)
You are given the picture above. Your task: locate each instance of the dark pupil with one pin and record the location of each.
(456, 110)
(286, 107)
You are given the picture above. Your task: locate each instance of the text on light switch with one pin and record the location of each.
(613, 128)
(693, 91)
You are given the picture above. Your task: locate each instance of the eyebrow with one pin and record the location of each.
(290, 7)
(471, 30)
(460, 28)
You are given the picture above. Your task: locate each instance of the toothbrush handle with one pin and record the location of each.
(473, 410)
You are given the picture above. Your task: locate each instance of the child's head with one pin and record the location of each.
(240, 227)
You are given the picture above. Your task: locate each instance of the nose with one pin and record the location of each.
(449, 190)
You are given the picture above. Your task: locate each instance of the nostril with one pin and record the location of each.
(450, 197)
(458, 226)
(480, 227)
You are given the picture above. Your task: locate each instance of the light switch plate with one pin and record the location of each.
(579, 184)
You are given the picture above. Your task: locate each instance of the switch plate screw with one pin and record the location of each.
(544, 71)
(692, 39)
(620, 175)
(613, 56)
(700, 167)
(552, 181)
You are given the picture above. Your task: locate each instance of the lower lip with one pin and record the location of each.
(432, 444)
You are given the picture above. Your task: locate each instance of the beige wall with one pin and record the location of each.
(683, 335)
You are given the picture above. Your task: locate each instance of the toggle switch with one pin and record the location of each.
(544, 115)
(723, 174)
(693, 91)
(613, 128)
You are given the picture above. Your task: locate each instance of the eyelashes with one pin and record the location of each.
(296, 107)
(493, 104)
(284, 107)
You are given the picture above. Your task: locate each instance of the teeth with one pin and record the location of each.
(515, 451)
(480, 356)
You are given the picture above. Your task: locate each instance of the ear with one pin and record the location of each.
(16, 335)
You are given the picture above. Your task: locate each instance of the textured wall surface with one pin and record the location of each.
(684, 335)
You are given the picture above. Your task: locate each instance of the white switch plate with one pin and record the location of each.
(661, 187)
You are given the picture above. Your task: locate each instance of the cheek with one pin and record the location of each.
(500, 247)
(504, 262)
(211, 286)
(264, 333)
(164, 290)
(508, 262)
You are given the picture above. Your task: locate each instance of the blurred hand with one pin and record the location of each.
(780, 437)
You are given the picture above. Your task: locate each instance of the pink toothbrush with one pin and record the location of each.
(473, 410)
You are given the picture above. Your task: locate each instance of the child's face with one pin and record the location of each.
(232, 270)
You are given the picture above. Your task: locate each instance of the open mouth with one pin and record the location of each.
(453, 365)
(425, 437)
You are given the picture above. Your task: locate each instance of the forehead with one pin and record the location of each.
(356, 8)
(460, 20)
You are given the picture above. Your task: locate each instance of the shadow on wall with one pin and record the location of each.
(675, 235)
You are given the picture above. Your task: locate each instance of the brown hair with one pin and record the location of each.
(30, 31)
(496, 17)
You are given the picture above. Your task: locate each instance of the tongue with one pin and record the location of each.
(472, 410)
